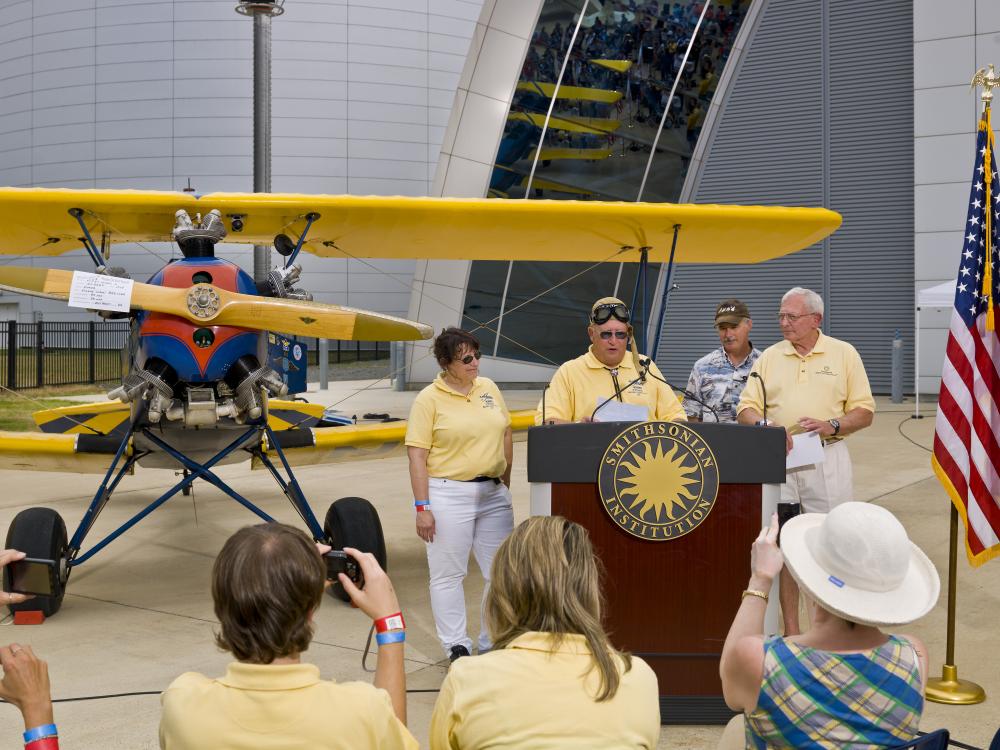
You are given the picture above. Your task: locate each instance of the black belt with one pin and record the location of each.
(495, 480)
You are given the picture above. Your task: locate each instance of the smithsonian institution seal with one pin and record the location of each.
(658, 480)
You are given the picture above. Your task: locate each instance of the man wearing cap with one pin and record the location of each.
(718, 378)
(810, 382)
(608, 371)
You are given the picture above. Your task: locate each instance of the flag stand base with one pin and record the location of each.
(950, 689)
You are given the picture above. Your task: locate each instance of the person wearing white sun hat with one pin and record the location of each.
(843, 682)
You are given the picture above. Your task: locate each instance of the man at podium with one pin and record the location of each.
(610, 380)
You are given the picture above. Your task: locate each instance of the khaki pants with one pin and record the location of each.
(821, 487)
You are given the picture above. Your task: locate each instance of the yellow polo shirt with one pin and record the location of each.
(531, 697)
(463, 434)
(582, 383)
(826, 383)
(277, 707)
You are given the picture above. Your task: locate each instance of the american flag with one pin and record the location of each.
(967, 429)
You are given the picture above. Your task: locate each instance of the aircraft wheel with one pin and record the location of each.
(354, 522)
(40, 532)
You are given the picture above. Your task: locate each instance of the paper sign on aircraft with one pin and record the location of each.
(94, 291)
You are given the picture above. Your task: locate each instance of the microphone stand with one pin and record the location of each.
(763, 391)
(687, 394)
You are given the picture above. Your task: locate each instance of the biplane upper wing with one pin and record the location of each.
(37, 221)
(82, 439)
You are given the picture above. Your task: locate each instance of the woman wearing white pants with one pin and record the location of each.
(460, 449)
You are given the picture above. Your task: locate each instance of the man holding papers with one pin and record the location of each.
(610, 382)
(814, 383)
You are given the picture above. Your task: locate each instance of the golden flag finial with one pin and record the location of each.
(989, 80)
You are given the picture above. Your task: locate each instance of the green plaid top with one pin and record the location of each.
(817, 699)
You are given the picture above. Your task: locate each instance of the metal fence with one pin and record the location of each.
(349, 351)
(33, 355)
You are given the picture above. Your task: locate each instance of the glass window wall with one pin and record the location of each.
(614, 94)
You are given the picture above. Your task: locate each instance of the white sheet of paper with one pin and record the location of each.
(807, 448)
(616, 411)
(95, 291)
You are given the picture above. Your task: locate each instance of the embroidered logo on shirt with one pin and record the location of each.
(826, 371)
(488, 402)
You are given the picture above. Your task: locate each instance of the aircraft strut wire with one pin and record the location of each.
(479, 325)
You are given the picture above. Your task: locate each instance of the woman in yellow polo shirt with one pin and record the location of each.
(459, 444)
(553, 679)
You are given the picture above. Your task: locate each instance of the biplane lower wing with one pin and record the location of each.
(328, 445)
(82, 439)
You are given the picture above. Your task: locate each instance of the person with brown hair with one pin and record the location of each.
(553, 679)
(267, 582)
(460, 449)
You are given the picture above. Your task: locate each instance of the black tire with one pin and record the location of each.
(354, 522)
(39, 532)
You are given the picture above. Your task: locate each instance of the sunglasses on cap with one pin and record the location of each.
(603, 313)
(620, 335)
(467, 359)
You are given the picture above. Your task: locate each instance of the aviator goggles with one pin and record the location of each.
(467, 359)
(603, 313)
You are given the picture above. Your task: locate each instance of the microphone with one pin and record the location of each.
(543, 403)
(763, 391)
(647, 363)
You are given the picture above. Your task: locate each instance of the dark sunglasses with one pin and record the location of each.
(467, 359)
(603, 313)
(621, 335)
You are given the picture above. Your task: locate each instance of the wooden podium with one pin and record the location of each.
(670, 601)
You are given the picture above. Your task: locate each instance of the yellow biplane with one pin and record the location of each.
(196, 394)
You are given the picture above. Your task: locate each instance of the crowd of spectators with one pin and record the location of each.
(553, 678)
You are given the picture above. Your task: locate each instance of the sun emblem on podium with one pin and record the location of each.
(658, 480)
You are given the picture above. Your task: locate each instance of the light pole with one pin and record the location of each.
(262, 11)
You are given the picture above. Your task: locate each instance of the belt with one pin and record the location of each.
(495, 480)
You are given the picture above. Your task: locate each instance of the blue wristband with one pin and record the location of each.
(40, 733)
(396, 636)
(418, 503)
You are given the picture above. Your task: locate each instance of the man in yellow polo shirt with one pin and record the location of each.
(607, 372)
(809, 382)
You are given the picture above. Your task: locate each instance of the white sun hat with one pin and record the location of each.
(858, 563)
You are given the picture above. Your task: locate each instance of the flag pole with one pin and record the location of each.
(949, 689)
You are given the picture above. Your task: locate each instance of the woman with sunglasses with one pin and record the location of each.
(460, 449)
(608, 372)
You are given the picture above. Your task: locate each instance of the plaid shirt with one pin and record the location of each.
(717, 382)
(812, 699)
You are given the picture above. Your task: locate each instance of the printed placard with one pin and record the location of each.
(95, 291)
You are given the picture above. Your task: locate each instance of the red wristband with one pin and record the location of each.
(46, 743)
(390, 622)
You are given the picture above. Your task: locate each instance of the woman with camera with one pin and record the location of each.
(843, 682)
(25, 682)
(460, 449)
(267, 582)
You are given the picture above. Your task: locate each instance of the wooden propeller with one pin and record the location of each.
(209, 305)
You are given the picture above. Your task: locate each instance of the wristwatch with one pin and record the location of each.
(835, 424)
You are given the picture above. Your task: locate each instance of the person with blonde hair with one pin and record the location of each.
(553, 679)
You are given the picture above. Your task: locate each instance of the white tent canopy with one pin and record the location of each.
(941, 296)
